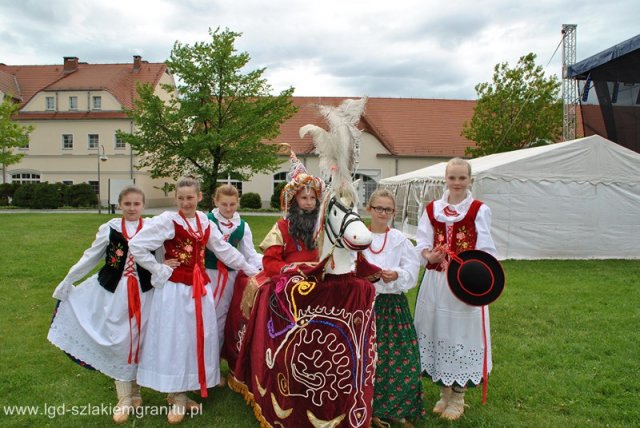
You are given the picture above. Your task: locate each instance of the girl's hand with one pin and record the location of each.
(435, 256)
(388, 275)
(172, 263)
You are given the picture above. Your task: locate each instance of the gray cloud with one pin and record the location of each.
(406, 48)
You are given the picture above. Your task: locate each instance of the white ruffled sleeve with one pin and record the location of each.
(89, 260)
(226, 253)
(424, 236)
(247, 248)
(150, 238)
(484, 240)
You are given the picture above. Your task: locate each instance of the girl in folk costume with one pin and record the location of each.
(102, 321)
(398, 386)
(180, 350)
(454, 337)
(236, 232)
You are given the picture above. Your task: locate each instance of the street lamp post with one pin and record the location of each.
(101, 158)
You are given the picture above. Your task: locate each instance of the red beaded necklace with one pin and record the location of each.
(386, 233)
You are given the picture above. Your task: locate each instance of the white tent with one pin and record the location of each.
(578, 199)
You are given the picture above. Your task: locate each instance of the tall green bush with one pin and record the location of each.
(7, 191)
(250, 200)
(47, 196)
(79, 195)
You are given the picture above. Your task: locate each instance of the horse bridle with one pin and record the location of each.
(350, 217)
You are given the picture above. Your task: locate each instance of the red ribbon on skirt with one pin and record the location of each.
(199, 291)
(133, 297)
(223, 278)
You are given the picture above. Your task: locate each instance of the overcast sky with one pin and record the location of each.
(396, 48)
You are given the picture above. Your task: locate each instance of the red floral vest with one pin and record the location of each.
(189, 251)
(464, 232)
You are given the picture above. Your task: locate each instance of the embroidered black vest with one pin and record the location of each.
(115, 260)
(210, 259)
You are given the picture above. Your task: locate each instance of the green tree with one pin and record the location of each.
(216, 121)
(521, 108)
(12, 135)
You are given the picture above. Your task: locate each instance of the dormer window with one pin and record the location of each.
(51, 103)
(97, 103)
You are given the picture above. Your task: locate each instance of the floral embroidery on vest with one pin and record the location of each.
(116, 252)
(183, 250)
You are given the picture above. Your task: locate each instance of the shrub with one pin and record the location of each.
(79, 195)
(250, 200)
(7, 190)
(47, 196)
(275, 198)
(23, 197)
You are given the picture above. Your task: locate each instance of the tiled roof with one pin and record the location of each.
(404, 126)
(117, 79)
(9, 85)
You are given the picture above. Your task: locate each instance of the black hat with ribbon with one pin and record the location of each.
(475, 277)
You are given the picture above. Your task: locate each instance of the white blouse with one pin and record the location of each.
(398, 255)
(245, 246)
(93, 255)
(161, 228)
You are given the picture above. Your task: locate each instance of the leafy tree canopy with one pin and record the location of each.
(12, 135)
(519, 109)
(216, 120)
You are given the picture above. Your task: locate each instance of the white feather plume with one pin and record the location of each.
(339, 148)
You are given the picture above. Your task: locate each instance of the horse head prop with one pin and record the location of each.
(340, 230)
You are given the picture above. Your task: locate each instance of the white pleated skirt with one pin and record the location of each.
(450, 333)
(223, 301)
(93, 326)
(168, 361)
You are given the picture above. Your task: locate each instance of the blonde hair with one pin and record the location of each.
(188, 181)
(381, 193)
(458, 161)
(226, 190)
(130, 189)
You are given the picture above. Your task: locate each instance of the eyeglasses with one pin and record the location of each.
(381, 210)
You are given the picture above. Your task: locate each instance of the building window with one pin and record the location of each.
(51, 103)
(94, 141)
(97, 103)
(67, 141)
(25, 177)
(94, 186)
(120, 144)
(67, 182)
(26, 145)
(233, 179)
(73, 103)
(278, 178)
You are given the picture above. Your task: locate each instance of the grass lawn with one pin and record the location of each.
(566, 351)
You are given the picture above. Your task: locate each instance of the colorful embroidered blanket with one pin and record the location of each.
(308, 354)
